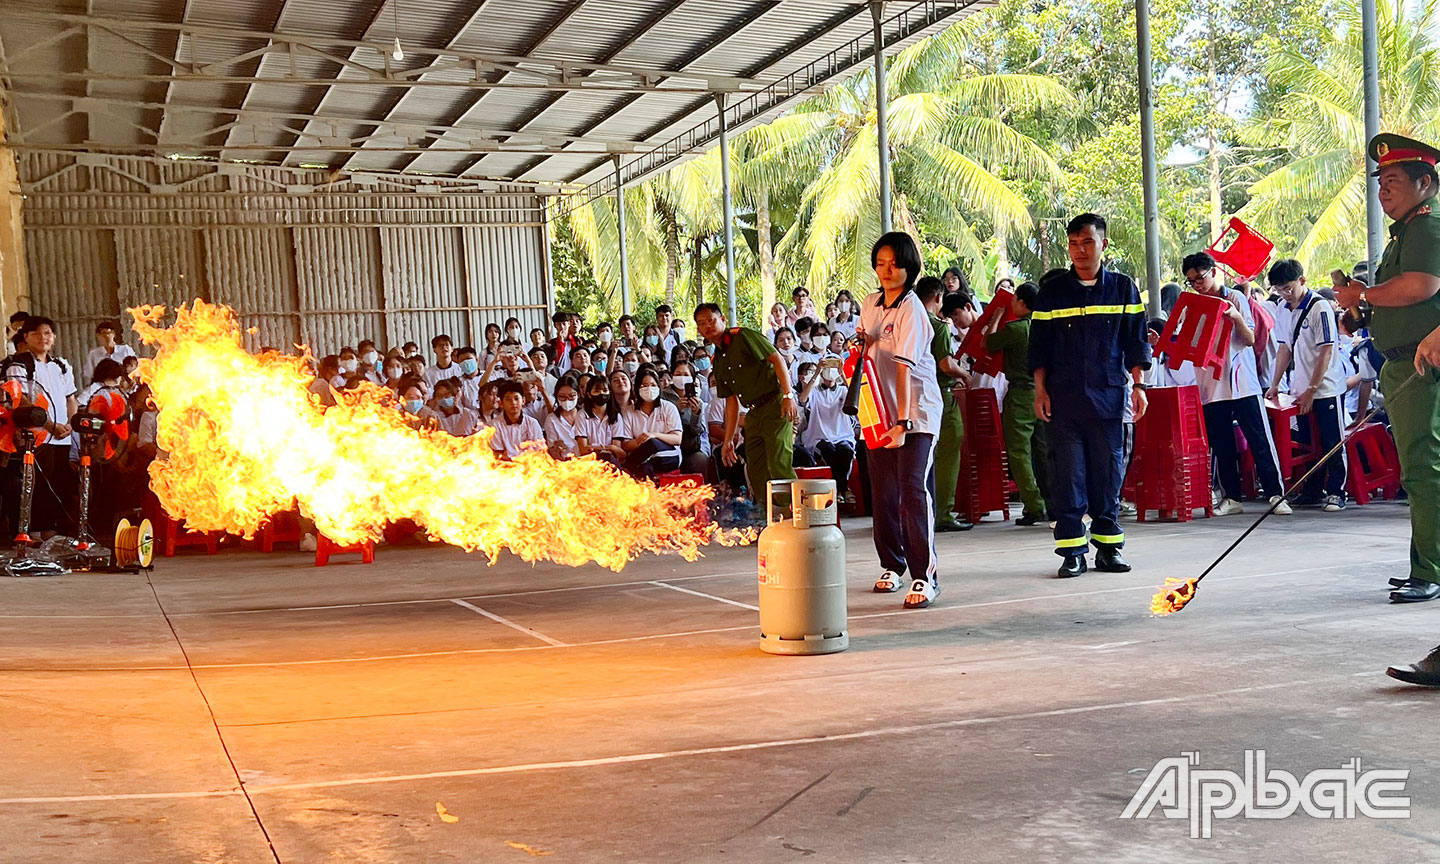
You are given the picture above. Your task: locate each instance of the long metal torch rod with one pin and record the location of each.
(1320, 463)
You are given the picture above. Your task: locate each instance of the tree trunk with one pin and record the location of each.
(1213, 174)
(672, 255)
(767, 251)
(907, 218)
(697, 261)
(1002, 249)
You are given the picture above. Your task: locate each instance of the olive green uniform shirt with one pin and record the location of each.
(1414, 247)
(742, 366)
(940, 348)
(1014, 340)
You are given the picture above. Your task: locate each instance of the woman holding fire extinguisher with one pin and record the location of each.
(896, 331)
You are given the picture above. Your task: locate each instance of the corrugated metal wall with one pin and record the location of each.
(324, 286)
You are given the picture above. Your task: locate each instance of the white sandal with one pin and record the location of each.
(922, 593)
(889, 582)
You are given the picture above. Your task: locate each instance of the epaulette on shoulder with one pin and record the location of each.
(1052, 275)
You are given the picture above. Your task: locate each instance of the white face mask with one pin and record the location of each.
(649, 393)
(605, 337)
(631, 366)
(567, 404)
(830, 375)
(680, 381)
(347, 366)
(513, 333)
(370, 358)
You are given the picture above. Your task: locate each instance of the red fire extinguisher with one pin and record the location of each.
(864, 400)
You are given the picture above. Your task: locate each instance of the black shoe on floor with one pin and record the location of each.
(1110, 561)
(1415, 591)
(1074, 565)
(1029, 519)
(1396, 582)
(1426, 672)
(952, 525)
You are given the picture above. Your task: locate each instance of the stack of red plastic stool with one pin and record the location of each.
(702, 512)
(1374, 464)
(983, 466)
(325, 547)
(1171, 469)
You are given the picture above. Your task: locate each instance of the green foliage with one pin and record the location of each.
(1018, 117)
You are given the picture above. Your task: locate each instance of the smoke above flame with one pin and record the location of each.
(244, 440)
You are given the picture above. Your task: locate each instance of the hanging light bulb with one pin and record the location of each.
(397, 53)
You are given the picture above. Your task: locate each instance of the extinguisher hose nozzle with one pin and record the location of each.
(852, 398)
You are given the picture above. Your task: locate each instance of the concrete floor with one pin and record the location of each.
(607, 718)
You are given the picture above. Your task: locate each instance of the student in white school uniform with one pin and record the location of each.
(1159, 374)
(515, 431)
(39, 371)
(1308, 334)
(446, 411)
(469, 379)
(828, 436)
(1235, 396)
(652, 430)
(445, 366)
(369, 364)
(597, 429)
(106, 347)
(562, 427)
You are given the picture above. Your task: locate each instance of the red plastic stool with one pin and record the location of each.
(280, 528)
(1197, 330)
(171, 536)
(998, 312)
(325, 547)
(822, 472)
(1374, 464)
(984, 467)
(702, 512)
(1171, 469)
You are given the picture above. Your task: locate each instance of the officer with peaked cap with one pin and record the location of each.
(1406, 300)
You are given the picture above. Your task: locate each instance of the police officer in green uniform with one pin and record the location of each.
(748, 369)
(1407, 310)
(952, 424)
(1024, 434)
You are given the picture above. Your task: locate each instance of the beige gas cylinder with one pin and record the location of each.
(802, 571)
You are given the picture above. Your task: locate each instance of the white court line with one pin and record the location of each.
(706, 596)
(1042, 598)
(888, 731)
(501, 619)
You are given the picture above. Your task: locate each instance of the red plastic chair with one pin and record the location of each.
(1374, 468)
(171, 536)
(1242, 249)
(1171, 469)
(325, 547)
(280, 528)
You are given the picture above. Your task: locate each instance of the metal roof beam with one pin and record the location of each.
(535, 45)
(908, 25)
(700, 53)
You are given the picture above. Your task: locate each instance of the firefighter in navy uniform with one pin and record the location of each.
(1087, 334)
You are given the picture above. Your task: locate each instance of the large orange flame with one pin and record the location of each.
(246, 440)
(1173, 597)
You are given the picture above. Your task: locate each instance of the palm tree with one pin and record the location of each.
(1318, 197)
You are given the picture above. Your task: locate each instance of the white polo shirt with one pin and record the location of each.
(1238, 378)
(665, 418)
(98, 353)
(463, 422)
(56, 381)
(433, 374)
(512, 439)
(599, 431)
(560, 431)
(1317, 330)
(828, 421)
(904, 332)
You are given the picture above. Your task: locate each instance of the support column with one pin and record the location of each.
(1147, 158)
(728, 208)
(882, 110)
(1374, 224)
(620, 229)
(14, 284)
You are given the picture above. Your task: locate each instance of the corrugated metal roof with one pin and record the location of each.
(140, 94)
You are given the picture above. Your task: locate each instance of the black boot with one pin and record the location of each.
(1108, 560)
(1074, 565)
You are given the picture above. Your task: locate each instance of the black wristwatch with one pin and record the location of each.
(907, 425)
